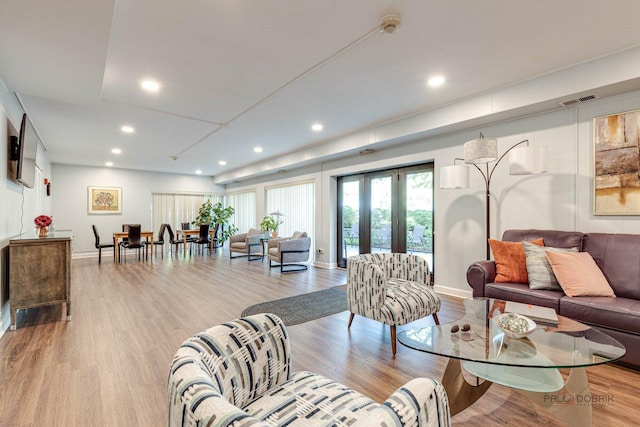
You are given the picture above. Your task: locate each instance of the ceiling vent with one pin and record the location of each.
(367, 151)
(580, 100)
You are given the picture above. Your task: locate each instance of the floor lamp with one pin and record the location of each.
(523, 160)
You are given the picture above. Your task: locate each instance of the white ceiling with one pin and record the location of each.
(77, 64)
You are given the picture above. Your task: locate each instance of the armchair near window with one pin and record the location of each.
(239, 373)
(290, 252)
(245, 242)
(392, 288)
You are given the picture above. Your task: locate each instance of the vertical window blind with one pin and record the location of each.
(297, 203)
(176, 208)
(244, 204)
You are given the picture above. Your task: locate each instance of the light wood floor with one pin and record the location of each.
(108, 366)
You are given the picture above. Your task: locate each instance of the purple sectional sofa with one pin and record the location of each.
(617, 255)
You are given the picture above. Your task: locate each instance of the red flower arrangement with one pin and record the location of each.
(43, 221)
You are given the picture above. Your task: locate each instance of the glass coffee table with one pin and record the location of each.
(528, 365)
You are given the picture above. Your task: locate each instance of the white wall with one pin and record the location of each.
(560, 199)
(70, 207)
(18, 205)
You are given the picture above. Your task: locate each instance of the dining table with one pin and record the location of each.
(195, 232)
(120, 235)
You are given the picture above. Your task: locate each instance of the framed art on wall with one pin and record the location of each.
(104, 200)
(617, 164)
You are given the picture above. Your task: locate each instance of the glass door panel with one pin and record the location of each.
(350, 218)
(380, 213)
(419, 214)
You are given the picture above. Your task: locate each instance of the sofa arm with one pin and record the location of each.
(479, 274)
(237, 238)
(420, 402)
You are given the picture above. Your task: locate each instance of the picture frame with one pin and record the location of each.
(104, 200)
(616, 156)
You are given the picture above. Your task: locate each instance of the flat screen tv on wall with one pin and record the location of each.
(27, 149)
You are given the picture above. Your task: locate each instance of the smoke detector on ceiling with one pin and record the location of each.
(389, 23)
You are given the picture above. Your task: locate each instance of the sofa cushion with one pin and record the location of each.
(553, 238)
(579, 275)
(511, 266)
(538, 268)
(299, 235)
(521, 293)
(617, 256)
(615, 313)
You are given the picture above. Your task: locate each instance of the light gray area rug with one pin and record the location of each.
(305, 307)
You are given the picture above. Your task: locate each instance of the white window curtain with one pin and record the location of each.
(244, 204)
(176, 208)
(297, 202)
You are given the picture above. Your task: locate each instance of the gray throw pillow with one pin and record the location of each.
(538, 268)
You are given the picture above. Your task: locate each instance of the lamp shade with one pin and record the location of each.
(528, 160)
(482, 150)
(453, 177)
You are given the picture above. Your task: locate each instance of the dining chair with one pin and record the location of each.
(100, 246)
(203, 237)
(134, 240)
(190, 239)
(160, 241)
(172, 239)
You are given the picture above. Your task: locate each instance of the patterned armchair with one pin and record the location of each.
(244, 242)
(239, 374)
(392, 288)
(289, 252)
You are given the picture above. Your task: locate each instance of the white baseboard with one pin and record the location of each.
(326, 265)
(454, 292)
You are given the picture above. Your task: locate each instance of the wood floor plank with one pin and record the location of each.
(108, 366)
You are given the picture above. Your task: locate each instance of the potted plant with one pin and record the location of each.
(222, 216)
(270, 224)
(205, 214)
(217, 214)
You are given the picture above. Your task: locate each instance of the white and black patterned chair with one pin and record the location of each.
(290, 252)
(239, 374)
(392, 288)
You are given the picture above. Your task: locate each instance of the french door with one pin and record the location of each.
(386, 211)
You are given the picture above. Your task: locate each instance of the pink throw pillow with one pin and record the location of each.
(579, 275)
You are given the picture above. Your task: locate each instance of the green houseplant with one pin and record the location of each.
(222, 216)
(217, 214)
(270, 224)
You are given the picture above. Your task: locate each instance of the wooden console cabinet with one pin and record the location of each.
(39, 272)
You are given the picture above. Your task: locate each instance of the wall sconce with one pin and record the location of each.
(523, 160)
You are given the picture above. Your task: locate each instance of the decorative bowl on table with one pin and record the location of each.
(515, 325)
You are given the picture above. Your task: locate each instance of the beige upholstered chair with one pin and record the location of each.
(392, 288)
(239, 374)
(241, 243)
(290, 252)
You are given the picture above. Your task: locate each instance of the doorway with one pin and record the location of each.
(386, 211)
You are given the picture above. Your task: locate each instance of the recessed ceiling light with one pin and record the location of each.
(222, 163)
(109, 163)
(317, 127)
(436, 81)
(127, 129)
(198, 172)
(116, 151)
(257, 149)
(150, 85)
